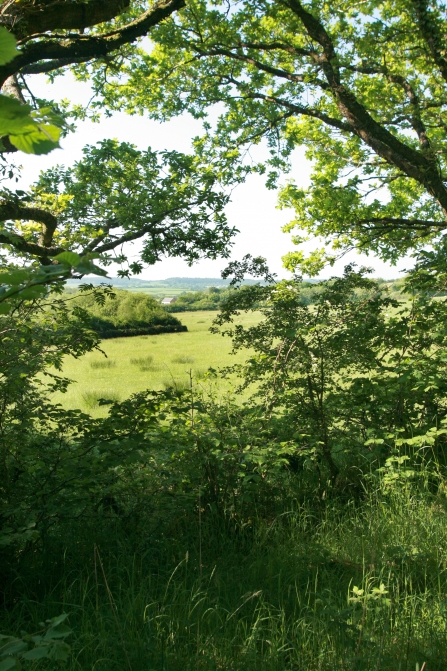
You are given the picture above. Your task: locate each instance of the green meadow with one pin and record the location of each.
(129, 365)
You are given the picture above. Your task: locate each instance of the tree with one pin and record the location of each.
(350, 380)
(116, 194)
(362, 85)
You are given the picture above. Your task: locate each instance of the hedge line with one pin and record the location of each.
(144, 330)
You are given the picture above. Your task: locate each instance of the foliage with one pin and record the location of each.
(32, 282)
(116, 194)
(34, 340)
(198, 504)
(350, 378)
(127, 313)
(334, 586)
(198, 300)
(31, 131)
(315, 74)
(48, 644)
(303, 527)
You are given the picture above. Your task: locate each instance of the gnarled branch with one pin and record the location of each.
(87, 47)
(25, 20)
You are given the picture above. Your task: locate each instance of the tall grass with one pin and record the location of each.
(91, 399)
(319, 586)
(183, 359)
(142, 360)
(105, 363)
(177, 384)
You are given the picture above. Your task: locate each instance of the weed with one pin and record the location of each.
(183, 359)
(91, 399)
(104, 363)
(142, 360)
(337, 589)
(176, 384)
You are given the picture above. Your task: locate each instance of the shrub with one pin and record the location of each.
(128, 314)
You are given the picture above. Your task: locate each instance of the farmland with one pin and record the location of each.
(154, 362)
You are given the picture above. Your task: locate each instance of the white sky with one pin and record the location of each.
(253, 208)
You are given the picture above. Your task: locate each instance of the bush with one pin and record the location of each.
(128, 314)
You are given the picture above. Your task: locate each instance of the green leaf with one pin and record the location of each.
(14, 116)
(16, 277)
(68, 258)
(58, 620)
(37, 138)
(14, 647)
(89, 267)
(27, 133)
(59, 631)
(8, 49)
(60, 651)
(8, 663)
(39, 652)
(33, 292)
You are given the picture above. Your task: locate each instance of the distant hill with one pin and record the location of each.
(176, 284)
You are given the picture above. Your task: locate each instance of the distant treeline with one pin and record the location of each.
(128, 314)
(199, 300)
(213, 297)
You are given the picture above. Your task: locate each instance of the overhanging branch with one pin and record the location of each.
(417, 224)
(88, 47)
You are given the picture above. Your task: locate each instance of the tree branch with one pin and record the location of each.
(430, 32)
(127, 237)
(283, 74)
(305, 111)
(55, 64)
(87, 47)
(416, 119)
(21, 245)
(273, 46)
(11, 210)
(26, 20)
(405, 223)
(415, 164)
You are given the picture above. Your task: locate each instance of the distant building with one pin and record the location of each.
(169, 301)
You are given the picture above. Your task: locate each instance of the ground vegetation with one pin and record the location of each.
(299, 521)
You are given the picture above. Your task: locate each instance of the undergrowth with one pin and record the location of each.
(318, 585)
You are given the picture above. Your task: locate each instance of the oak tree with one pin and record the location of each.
(363, 86)
(116, 194)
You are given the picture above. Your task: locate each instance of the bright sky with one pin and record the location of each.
(253, 207)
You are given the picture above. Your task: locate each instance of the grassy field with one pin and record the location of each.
(147, 362)
(156, 292)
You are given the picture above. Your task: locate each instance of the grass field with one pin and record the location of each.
(156, 292)
(147, 362)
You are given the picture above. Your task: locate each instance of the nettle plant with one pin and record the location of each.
(350, 378)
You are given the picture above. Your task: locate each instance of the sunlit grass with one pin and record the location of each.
(104, 363)
(149, 362)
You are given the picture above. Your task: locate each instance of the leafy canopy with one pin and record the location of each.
(116, 194)
(363, 86)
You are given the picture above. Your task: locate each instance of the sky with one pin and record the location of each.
(253, 208)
